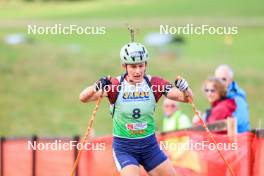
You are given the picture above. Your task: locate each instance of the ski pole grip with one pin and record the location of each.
(186, 92)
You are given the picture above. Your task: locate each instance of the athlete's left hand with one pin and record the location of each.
(181, 84)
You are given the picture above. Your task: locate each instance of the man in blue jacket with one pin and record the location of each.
(225, 73)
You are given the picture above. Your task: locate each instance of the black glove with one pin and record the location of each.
(102, 83)
(181, 84)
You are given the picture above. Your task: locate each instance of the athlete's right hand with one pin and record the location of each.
(102, 83)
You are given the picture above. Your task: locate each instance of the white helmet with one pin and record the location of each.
(133, 53)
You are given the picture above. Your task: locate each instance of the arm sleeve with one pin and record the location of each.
(159, 86)
(112, 90)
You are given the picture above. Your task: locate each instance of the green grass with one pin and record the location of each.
(130, 9)
(40, 81)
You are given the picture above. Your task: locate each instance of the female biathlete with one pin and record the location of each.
(133, 97)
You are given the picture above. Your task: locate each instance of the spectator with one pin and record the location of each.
(173, 119)
(221, 106)
(226, 74)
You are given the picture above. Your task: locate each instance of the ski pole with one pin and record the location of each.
(190, 100)
(87, 133)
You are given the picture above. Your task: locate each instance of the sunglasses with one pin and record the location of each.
(170, 106)
(223, 79)
(209, 90)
